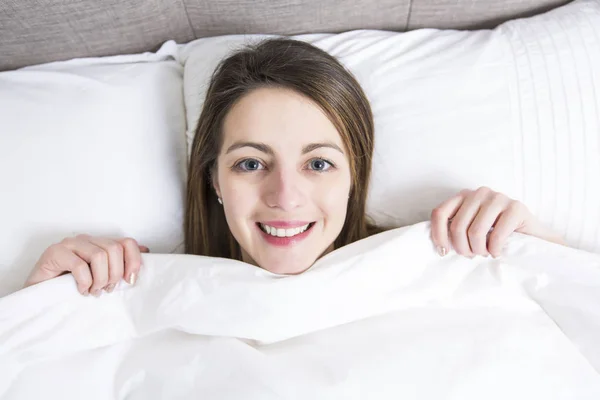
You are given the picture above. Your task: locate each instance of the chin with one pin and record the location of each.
(283, 268)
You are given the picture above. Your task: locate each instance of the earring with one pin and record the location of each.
(219, 200)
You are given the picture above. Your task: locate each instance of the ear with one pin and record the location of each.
(214, 178)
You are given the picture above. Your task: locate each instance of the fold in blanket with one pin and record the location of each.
(383, 318)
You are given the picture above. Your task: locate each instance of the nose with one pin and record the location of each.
(285, 189)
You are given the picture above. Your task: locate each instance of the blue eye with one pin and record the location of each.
(319, 164)
(249, 164)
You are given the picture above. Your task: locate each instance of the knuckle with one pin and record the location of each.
(483, 192)
(53, 251)
(99, 257)
(437, 213)
(115, 248)
(45, 264)
(500, 197)
(476, 231)
(516, 206)
(79, 266)
(83, 281)
(67, 242)
(82, 236)
(129, 242)
(457, 228)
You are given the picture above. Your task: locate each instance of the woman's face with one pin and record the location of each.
(284, 178)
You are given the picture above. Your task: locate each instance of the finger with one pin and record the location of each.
(488, 214)
(96, 258)
(116, 263)
(461, 222)
(144, 249)
(508, 222)
(439, 222)
(55, 261)
(133, 259)
(464, 218)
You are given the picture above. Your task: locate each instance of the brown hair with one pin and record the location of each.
(282, 63)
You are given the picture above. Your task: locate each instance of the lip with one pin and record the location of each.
(285, 241)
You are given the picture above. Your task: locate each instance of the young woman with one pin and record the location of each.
(278, 177)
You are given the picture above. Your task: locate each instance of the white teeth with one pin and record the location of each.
(280, 232)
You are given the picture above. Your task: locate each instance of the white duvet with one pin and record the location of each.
(384, 318)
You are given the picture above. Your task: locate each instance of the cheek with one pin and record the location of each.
(240, 197)
(333, 199)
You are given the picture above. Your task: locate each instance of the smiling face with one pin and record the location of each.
(284, 178)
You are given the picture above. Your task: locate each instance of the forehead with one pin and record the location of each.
(279, 117)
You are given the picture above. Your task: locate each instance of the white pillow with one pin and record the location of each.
(515, 108)
(90, 146)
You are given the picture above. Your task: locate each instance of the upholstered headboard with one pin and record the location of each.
(37, 31)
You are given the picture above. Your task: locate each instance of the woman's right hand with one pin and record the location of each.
(96, 263)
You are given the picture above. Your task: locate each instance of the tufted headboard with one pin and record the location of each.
(37, 31)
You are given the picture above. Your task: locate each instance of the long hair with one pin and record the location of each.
(281, 63)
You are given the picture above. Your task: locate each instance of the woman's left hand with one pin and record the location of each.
(464, 222)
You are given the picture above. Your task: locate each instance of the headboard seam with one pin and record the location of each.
(410, 5)
(187, 16)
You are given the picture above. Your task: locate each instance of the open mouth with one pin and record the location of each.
(284, 232)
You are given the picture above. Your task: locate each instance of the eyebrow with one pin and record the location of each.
(314, 146)
(258, 146)
(268, 150)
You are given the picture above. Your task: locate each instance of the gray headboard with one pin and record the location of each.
(37, 31)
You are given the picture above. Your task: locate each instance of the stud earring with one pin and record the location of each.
(219, 200)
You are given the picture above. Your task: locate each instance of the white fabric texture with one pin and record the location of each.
(90, 146)
(382, 318)
(516, 109)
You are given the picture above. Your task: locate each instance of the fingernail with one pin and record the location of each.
(132, 278)
(97, 292)
(110, 288)
(441, 251)
(86, 293)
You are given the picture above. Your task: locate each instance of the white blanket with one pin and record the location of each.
(383, 318)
